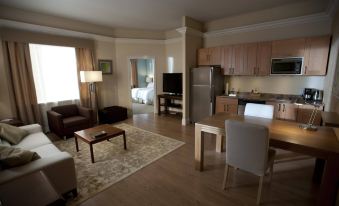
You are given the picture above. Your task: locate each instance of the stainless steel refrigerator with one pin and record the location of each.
(206, 84)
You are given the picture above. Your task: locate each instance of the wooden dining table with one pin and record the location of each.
(322, 144)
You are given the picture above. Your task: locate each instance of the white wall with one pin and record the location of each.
(174, 49)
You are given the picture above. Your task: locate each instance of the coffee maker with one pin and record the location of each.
(308, 94)
(311, 94)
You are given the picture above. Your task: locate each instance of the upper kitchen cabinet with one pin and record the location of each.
(288, 48)
(234, 59)
(258, 59)
(209, 56)
(316, 55)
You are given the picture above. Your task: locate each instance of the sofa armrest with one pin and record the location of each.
(86, 112)
(59, 169)
(32, 128)
(54, 121)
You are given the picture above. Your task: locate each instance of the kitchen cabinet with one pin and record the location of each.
(258, 59)
(226, 104)
(304, 114)
(288, 48)
(284, 111)
(316, 55)
(234, 59)
(209, 56)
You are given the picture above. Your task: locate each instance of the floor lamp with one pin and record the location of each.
(91, 77)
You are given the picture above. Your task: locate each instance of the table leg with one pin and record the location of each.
(199, 148)
(159, 107)
(329, 184)
(318, 170)
(91, 150)
(220, 143)
(76, 143)
(125, 145)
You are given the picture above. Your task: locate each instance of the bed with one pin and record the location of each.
(143, 95)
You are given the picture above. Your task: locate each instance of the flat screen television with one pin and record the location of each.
(172, 83)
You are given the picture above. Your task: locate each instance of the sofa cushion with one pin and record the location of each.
(46, 150)
(12, 157)
(66, 110)
(74, 121)
(4, 142)
(33, 140)
(11, 133)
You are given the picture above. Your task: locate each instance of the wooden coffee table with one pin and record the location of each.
(86, 136)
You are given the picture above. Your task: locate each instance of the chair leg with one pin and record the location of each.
(225, 177)
(271, 172)
(261, 181)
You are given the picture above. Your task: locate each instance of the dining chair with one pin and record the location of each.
(259, 110)
(247, 148)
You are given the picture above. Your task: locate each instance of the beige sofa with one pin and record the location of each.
(56, 165)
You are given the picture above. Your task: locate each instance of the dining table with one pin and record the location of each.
(323, 144)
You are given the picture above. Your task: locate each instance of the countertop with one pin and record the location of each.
(268, 97)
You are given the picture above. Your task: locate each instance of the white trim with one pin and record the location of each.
(313, 18)
(71, 33)
(188, 30)
(174, 40)
(185, 121)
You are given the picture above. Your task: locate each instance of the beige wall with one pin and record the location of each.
(108, 87)
(124, 51)
(276, 84)
(333, 83)
(174, 49)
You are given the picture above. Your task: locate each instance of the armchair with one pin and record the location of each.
(65, 120)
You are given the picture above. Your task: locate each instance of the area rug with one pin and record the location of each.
(112, 162)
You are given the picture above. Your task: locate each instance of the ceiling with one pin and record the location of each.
(143, 14)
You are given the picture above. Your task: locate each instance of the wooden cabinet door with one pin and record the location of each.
(203, 57)
(264, 58)
(289, 111)
(276, 113)
(316, 55)
(215, 56)
(252, 55)
(288, 48)
(228, 105)
(227, 60)
(239, 59)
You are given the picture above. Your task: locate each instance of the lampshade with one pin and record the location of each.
(91, 76)
(149, 79)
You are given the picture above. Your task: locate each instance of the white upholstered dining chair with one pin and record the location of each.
(247, 148)
(259, 110)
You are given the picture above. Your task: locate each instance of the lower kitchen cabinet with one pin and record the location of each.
(304, 114)
(284, 111)
(226, 104)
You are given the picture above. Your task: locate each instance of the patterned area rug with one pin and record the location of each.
(112, 162)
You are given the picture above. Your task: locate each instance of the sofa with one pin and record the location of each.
(58, 166)
(67, 119)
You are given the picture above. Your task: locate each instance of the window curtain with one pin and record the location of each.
(85, 62)
(21, 76)
(134, 73)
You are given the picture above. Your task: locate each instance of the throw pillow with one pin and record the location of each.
(12, 157)
(12, 134)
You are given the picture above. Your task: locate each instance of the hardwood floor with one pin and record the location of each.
(172, 179)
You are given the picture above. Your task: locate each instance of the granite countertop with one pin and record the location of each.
(268, 97)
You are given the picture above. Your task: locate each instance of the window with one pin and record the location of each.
(54, 72)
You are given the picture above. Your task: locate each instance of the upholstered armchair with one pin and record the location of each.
(65, 120)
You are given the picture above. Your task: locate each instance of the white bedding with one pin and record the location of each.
(143, 95)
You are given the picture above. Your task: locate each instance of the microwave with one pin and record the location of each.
(287, 66)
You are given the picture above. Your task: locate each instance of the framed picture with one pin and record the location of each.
(105, 66)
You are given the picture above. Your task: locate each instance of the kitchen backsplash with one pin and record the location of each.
(275, 84)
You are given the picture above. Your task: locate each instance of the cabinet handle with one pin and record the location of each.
(226, 108)
(279, 108)
(284, 108)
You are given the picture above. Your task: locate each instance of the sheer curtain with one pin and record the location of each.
(55, 76)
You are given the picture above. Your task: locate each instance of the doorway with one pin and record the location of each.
(142, 85)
